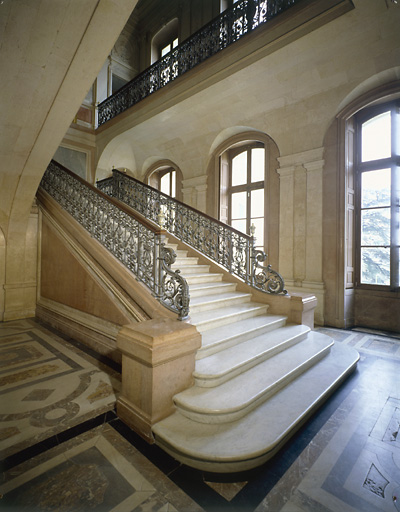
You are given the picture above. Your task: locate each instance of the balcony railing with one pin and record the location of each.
(229, 27)
(233, 250)
(135, 242)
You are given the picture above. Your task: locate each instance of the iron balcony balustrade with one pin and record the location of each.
(233, 250)
(134, 241)
(229, 27)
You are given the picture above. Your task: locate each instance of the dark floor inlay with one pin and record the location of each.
(375, 481)
(392, 431)
(38, 395)
(79, 484)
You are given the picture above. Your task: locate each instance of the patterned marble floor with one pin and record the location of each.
(64, 449)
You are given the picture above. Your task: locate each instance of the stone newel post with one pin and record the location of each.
(158, 358)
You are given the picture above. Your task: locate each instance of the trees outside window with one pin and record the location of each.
(377, 169)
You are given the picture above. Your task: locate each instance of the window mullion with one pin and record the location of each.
(395, 199)
(395, 228)
(248, 213)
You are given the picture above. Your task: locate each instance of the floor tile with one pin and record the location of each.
(63, 447)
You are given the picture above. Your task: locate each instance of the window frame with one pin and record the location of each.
(248, 187)
(392, 162)
(165, 36)
(156, 172)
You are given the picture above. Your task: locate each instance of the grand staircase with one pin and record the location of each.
(257, 377)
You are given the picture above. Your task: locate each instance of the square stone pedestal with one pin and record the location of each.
(158, 359)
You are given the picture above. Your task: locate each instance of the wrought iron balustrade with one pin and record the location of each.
(234, 23)
(138, 244)
(233, 250)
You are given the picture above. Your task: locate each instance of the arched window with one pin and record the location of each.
(164, 180)
(166, 177)
(242, 189)
(165, 40)
(377, 173)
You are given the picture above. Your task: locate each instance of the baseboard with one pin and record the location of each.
(96, 333)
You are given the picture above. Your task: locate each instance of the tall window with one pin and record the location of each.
(165, 40)
(117, 82)
(169, 46)
(378, 199)
(242, 189)
(164, 180)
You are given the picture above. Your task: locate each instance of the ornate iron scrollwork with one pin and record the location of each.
(137, 246)
(229, 248)
(265, 278)
(234, 23)
(174, 290)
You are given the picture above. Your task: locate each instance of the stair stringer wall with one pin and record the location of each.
(84, 291)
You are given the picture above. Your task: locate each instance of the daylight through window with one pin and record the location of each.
(378, 179)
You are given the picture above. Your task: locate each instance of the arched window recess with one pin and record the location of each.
(242, 189)
(165, 177)
(377, 188)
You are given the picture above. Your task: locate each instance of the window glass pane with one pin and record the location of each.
(376, 138)
(117, 82)
(164, 184)
(239, 205)
(257, 164)
(375, 226)
(375, 188)
(259, 233)
(240, 225)
(375, 265)
(257, 203)
(173, 184)
(239, 169)
(175, 43)
(165, 50)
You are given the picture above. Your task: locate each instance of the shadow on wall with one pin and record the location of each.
(2, 272)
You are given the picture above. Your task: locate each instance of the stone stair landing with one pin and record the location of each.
(257, 378)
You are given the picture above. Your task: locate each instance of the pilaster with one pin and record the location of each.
(194, 192)
(300, 254)
(286, 222)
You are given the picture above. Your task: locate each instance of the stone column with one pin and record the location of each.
(158, 358)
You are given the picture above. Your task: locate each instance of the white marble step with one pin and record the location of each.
(211, 288)
(211, 319)
(250, 441)
(211, 302)
(237, 397)
(220, 338)
(185, 261)
(193, 269)
(180, 253)
(203, 278)
(222, 366)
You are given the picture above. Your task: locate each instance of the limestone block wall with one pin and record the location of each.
(51, 53)
(291, 92)
(300, 240)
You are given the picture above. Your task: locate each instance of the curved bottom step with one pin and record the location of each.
(250, 441)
